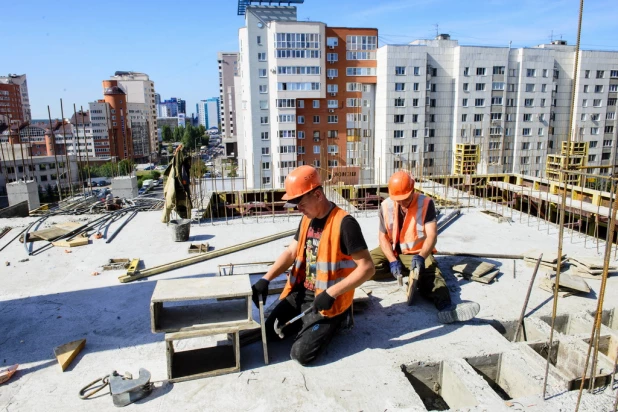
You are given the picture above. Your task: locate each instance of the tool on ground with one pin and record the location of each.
(123, 388)
(5, 374)
(412, 285)
(279, 330)
(523, 310)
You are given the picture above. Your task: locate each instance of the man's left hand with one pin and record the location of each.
(323, 301)
(418, 262)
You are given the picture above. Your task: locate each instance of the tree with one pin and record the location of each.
(166, 134)
(124, 167)
(179, 132)
(202, 129)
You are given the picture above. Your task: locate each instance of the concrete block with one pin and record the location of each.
(462, 387)
(24, 191)
(125, 187)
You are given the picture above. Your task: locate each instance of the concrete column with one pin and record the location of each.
(24, 191)
(125, 187)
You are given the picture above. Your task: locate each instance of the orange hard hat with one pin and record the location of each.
(400, 185)
(301, 180)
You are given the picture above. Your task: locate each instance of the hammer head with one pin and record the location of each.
(278, 330)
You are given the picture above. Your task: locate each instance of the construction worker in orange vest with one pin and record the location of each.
(408, 235)
(329, 259)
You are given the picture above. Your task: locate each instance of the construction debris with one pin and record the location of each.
(67, 352)
(53, 232)
(5, 374)
(570, 284)
(590, 267)
(496, 216)
(78, 241)
(116, 264)
(470, 267)
(199, 248)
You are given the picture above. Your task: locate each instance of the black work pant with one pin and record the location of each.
(431, 284)
(312, 332)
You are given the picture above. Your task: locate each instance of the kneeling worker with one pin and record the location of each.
(408, 235)
(329, 259)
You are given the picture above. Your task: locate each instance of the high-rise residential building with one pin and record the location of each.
(514, 104)
(168, 108)
(182, 106)
(208, 112)
(14, 98)
(228, 69)
(305, 95)
(140, 89)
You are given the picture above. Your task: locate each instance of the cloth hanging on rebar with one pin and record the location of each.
(177, 192)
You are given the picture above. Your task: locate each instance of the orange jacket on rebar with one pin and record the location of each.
(332, 266)
(412, 235)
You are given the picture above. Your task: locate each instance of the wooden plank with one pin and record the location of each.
(263, 328)
(198, 333)
(204, 256)
(133, 266)
(53, 232)
(67, 352)
(174, 290)
(79, 241)
(473, 267)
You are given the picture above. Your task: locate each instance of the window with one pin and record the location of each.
(594, 130)
(611, 102)
(293, 86)
(264, 135)
(397, 134)
(527, 117)
(529, 102)
(301, 104)
(417, 71)
(542, 102)
(480, 86)
(264, 104)
(397, 149)
(607, 143)
(353, 102)
(596, 102)
(609, 129)
(332, 41)
(264, 120)
(399, 87)
(480, 71)
(592, 158)
(316, 104)
(594, 117)
(600, 74)
(262, 72)
(398, 118)
(613, 88)
(360, 71)
(259, 40)
(478, 117)
(301, 134)
(262, 57)
(466, 87)
(332, 133)
(415, 102)
(287, 134)
(332, 57)
(598, 88)
(466, 71)
(316, 149)
(432, 118)
(414, 134)
(300, 119)
(415, 118)
(332, 119)
(610, 115)
(285, 118)
(263, 88)
(494, 131)
(331, 73)
(316, 119)
(265, 165)
(530, 72)
(287, 149)
(301, 149)
(400, 70)
(399, 102)
(524, 160)
(605, 156)
(496, 116)
(496, 100)
(333, 149)
(545, 73)
(479, 102)
(316, 163)
(464, 117)
(526, 131)
(525, 146)
(332, 88)
(497, 86)
(498, 70)
(478, 132)
(266, 180)
(613, 74)
(592, 144)
(586, 88)
(541, 131)
(530, 87)
(586, 74)
(288, 70)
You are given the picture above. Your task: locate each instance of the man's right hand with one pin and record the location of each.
(260, 289)
(396, 268)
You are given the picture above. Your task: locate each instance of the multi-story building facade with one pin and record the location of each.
(305, 95)
(14, 98)
(140, 89)
(228, 69)
(515, 104)
(169, 108)
(208, 112)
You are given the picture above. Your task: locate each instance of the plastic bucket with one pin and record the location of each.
(180, 229)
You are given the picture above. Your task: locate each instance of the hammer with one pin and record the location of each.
(279, 330)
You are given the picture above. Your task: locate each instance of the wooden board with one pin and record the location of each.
(5, 374)
(473, 267)
(486, 278)
(202, 288)
(67, 352)
(590, 262)
(53, 232)
(78, 241)
(549, 255)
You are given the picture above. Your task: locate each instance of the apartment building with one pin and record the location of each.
(208, 114)
(14, 99)
(305, 94)
(228, 69)
(140, 89)
(514, 103)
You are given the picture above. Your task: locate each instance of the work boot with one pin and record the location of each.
(460, 312)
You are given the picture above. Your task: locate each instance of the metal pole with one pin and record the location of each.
(66, 152)
(87, 154)
(53, 139)
(523, 309)
(79, 152)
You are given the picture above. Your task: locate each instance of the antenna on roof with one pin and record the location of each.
(437, 29)
(551, 36)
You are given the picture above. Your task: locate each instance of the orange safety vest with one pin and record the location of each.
(412, 235)
(332, 266)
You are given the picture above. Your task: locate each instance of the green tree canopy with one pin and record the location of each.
(166, 134)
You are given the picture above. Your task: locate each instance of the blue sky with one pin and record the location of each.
(67, 47)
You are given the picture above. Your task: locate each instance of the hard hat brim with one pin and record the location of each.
(400, 197)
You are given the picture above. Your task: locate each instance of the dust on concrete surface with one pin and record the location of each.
(52, 299)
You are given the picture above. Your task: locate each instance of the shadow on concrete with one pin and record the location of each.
(196, 238)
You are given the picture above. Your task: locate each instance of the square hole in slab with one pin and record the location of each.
(507, 329)
(570, 363)
(426, 379)
(489, 367)
(607, 346)
(569, 324)
(610, 318)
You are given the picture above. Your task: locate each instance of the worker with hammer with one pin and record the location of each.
(407, 238)
(329, 259)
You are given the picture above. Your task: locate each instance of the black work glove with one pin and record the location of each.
(396, 268)
(260, 288)
(418, 262)
(323, 301)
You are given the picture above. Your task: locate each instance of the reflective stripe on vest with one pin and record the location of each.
(320, 284)
(332, 266)
(420, 228)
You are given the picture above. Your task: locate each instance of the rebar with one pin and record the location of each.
(53, 139)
